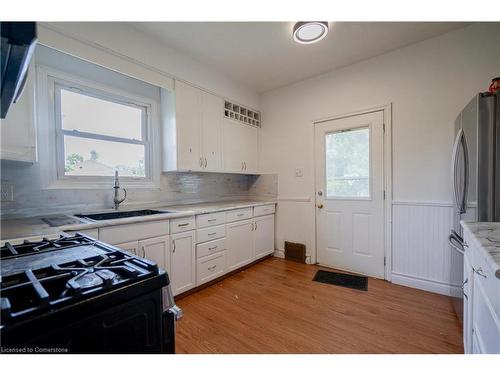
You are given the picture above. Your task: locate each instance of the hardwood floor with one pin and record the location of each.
(274, 307)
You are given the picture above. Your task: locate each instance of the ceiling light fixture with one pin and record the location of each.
(309, 32)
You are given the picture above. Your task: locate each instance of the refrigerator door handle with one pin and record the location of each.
(460, 201)
(456, 242)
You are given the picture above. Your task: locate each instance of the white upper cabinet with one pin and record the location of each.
(197, 137)
(188, 126)
(18, 128)
(241, 144)
(196, 127)
(211, 132)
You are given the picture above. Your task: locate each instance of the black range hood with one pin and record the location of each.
(17, 45)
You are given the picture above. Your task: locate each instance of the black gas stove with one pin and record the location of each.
(76, 294)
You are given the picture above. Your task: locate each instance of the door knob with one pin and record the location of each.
(320, 205)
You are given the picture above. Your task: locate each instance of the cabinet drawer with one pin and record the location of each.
(211, 247)
(182, 224)
(131, 232)
(211, 267)
(241, 214)
(485, 277)
(208, 220)
(264, 210)
(210, 233)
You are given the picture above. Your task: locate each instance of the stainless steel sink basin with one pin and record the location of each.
(120, 214)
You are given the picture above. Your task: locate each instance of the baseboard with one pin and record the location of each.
(425, 284)
(279, 253)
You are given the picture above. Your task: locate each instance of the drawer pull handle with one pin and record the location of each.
(212, 234)
(212, 248)
(211, 220)
(183, 224)
(239, 215)
(212, 268)
(479, 271)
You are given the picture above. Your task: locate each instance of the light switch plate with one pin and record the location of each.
(299, 172)
(7, 192)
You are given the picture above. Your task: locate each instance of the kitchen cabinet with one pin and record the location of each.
(239, 244)
(182, 261)
(482, 304)
(156, 249)
(241, 143)
(197, 130)
(263, 236)
(131, 247)
(467, 301)
(18, 135)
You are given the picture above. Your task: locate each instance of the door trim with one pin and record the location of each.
(386, 109)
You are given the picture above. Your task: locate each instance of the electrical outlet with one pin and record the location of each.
(299, 172)
(7, 192)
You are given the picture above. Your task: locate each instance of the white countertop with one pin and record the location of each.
(487, 239)
(32, 226)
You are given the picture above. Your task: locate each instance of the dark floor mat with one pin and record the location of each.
(342, 279)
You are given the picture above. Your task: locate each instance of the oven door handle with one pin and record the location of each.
(455, 241)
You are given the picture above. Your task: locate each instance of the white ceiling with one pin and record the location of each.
(263, 55)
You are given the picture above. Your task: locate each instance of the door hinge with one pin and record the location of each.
(384, 195)
(383, 127)
(384, 261)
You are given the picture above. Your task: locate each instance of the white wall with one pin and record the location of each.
(427, 83)
(125, 40)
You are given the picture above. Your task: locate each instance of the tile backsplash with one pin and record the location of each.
(175, 188)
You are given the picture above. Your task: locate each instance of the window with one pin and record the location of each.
(99, 134)
(348, 163)
(89, 130)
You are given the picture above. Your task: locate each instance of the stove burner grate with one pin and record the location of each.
(33, 247)
(37, 290)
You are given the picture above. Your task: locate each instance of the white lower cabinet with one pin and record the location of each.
(467, 294)
(481, 303)
(263, 236)
(211, 267)
(131, 247)
(182, 261)
(239, 243)
(156, 249)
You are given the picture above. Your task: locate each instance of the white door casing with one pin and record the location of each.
(350, 226)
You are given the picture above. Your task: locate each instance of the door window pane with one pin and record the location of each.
(348, 164)
(91, 157)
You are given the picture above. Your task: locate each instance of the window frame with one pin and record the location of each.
(352, 198)
(50, 82)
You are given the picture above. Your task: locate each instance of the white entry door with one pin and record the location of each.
(350, 193)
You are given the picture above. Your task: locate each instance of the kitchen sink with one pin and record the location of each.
(120, 214)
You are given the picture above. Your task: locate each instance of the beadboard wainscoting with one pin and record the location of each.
(421, 256)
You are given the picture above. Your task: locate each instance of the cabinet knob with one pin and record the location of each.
(320, 205)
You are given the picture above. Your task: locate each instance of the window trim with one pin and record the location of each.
(51, 135)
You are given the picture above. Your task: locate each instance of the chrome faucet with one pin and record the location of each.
(116, 200)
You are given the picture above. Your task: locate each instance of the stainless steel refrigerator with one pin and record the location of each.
(475, 174)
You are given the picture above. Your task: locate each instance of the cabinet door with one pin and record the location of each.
(239, 244)
(467, 294)
(188, 125)
(132, 247)
(182, 262)
(251, 148)
(211, 132)
(18, 127)
(158, 250)
(264, 236)
(234, 146)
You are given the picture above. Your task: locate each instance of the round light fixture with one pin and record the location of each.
(309, 32)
